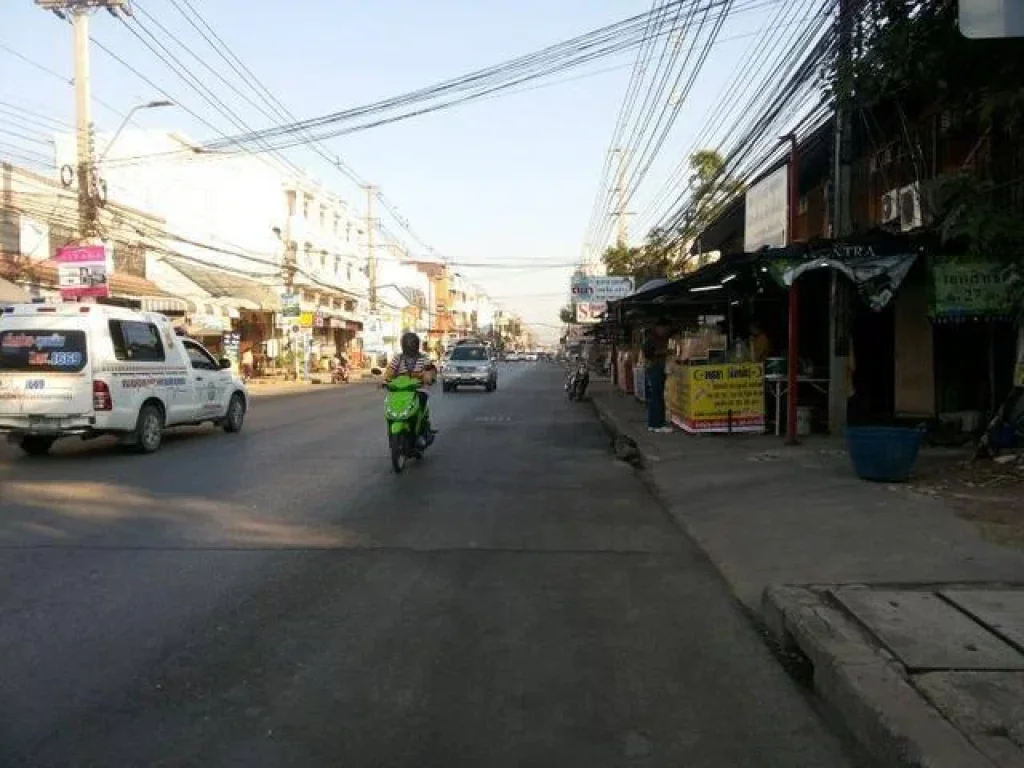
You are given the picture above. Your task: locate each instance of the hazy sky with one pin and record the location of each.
(499, 181)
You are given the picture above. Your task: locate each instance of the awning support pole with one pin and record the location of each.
(793, 356)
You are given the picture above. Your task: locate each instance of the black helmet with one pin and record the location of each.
(410, 344)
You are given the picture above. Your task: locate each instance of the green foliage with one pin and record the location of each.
(566, 315)
(912, 51)
(713, 189)
(661, 254)
(646, 262)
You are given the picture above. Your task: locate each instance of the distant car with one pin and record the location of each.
(531, 357)
(469, 365)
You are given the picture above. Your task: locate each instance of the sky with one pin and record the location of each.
(500, 181)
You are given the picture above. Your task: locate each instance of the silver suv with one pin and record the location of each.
(469, 365)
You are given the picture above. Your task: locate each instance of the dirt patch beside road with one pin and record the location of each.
(988, 493)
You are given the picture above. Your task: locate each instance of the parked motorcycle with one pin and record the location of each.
(577, 381)
(408, 436)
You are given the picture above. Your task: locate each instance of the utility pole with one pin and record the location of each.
(89, 196)
(371, 245)
(841, 223)
(620, 213)
(87, 215)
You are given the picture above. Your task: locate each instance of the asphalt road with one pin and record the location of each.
(280, 598)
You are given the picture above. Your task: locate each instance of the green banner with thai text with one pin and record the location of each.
(972, 289)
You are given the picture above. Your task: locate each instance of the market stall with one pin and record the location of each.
(712, 387)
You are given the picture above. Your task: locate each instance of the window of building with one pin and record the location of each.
(323, 259)
(136, 341)
(348, 272)
(305, 207)
(337, 265)
(290, 196)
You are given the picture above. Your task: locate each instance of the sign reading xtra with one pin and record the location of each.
(599, 289)
(83, 271)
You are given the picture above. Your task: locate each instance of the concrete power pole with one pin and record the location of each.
(87, 215)
(89, 197)
(842, 225)
(371, 245)
(620, 213)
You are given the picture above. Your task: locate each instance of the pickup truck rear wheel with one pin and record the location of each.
(34, 445)
(149, 429)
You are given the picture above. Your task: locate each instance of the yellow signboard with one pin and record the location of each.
(717, 398)
(306, 319)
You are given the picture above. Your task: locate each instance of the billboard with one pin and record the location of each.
(991, 19)
(83, 271)
(601, 289)
(766, 221)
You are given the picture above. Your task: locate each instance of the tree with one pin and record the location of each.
(712, 188)
(647, 262)
(566, 314)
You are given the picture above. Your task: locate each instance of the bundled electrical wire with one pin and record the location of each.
(645, 128)
(573, 53)
(789, 100)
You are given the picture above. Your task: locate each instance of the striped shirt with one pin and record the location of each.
(400, 364)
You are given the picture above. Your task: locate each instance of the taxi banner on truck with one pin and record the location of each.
(717, 398)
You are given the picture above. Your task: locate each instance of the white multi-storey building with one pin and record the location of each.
(242, 231)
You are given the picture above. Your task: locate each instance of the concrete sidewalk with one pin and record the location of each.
(770, 516)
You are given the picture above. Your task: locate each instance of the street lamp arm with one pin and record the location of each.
(127, 119)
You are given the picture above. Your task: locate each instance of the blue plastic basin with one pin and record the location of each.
(883, 454)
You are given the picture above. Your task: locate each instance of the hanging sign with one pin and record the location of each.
(290, 306)
(601, 288)
(963, 289)
(590, 312)
(83, 271)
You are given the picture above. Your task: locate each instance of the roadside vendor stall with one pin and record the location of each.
(712, 388)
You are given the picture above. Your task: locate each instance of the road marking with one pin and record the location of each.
(493, 419)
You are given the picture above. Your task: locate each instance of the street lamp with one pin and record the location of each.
(128, 117)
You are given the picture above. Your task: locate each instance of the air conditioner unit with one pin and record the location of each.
(910, 207)
(891, 206)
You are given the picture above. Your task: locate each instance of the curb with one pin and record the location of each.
(861, 689)
(310, 389)
(864, 687)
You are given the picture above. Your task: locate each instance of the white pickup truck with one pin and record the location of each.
(90, 370)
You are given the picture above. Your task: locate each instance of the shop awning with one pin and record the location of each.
(241, 291)
(122, 286)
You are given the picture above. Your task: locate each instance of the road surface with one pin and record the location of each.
(280, 598)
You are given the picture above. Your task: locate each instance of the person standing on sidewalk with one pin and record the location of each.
(655, 355)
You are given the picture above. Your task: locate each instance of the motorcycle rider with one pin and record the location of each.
(410, 362)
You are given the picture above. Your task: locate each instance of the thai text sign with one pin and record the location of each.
(718, 398)
(766, 217)
(83, 271)
(599, 289)
(971, 290)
